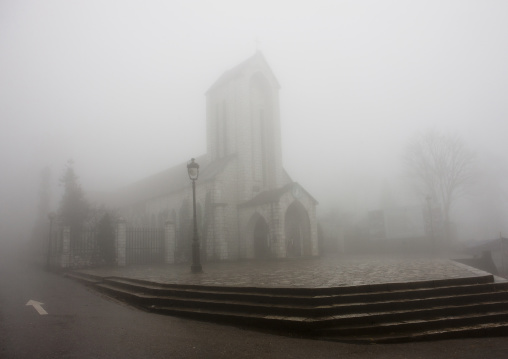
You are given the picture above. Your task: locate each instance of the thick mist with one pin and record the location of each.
(119, 88)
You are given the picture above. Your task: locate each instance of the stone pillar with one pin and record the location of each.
(66, 247)
(169, 242)
(313, 231)
(277, 232)
(121, 243)
(221, 248)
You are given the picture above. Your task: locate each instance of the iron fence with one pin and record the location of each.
(85, 249)
(55, 248)
(145, 245)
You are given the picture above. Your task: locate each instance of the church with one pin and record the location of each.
(248, 206)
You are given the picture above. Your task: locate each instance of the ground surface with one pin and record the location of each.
(310, 273)
(83, 324)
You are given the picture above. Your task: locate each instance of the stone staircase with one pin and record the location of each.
(380, 313)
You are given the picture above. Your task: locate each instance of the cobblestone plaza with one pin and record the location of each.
(299, 273)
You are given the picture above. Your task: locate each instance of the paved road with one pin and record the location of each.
(83, 324)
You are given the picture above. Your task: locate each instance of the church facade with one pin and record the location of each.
(247, 205)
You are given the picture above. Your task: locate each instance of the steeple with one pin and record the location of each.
(243, 120)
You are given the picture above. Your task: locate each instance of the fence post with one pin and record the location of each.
(169, 242)
(121, 243)
(66, 247)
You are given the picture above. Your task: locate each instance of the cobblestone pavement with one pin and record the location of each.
(298, 273)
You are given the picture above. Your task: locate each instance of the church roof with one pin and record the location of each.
(171, 180)
(274, 195)
(257, 59)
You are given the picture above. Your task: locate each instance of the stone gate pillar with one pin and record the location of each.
(66, 247)
(313, 231)
(121, 243)
(277, 234)
(169, 242)
(220, 245)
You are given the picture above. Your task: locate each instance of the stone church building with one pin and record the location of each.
(247, 205)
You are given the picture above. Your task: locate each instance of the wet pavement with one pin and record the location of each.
(298, 273)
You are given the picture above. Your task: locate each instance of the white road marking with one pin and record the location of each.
(37, 306)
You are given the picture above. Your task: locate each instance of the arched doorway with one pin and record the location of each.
(297, 231)
(261, 249)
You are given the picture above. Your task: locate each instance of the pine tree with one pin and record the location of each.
(74, 209)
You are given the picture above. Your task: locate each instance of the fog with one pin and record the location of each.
(118, 86)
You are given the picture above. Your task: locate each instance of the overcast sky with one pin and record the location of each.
(119, 85)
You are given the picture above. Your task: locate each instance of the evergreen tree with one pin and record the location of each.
(74, 209)
(41, 225)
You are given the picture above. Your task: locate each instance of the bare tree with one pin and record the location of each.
(439, 165)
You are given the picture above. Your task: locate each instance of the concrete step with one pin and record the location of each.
(379, 313)
(246, 303)
(417, 324)
(147, 300)
(88, 279)
(304, 326)
(212, 293)
(415, 304)
(470, 331)
(254, 295)
(324, 316)
(394, 315)
(271, 322)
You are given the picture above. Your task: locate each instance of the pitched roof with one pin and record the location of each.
(273, 195)
(238, 70)
(171, 180)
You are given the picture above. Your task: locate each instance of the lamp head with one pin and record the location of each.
(193, 169)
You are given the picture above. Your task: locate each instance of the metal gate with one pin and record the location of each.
(145, 245)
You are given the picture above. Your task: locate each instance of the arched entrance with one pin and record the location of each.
(297, 231)
(261, 249)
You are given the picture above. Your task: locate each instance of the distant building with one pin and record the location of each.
(247, 205)
(490, 255)
(410, 224)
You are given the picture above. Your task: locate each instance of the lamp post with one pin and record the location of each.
(51, 217)
(193, 170)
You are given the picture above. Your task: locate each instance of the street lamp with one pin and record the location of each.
(193, 170)
(51, 217)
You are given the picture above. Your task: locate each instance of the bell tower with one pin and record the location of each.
(243, 122)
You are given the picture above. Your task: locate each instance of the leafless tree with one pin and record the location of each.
(439, 165)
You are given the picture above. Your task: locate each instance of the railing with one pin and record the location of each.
(85, 249)
(55, 248)
(145, 245)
